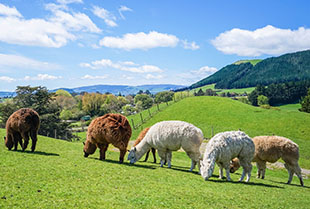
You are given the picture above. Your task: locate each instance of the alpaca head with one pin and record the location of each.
(132, 155)
(234, 165)
(89, 148)
(8, 143)
(206, 168)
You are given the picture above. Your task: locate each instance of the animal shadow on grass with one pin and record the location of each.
(295, 185)
(182, 169)
(242, 182)
(124, 163)
(38, 153)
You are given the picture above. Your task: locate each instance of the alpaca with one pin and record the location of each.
(271, 149)
(110, 128)
(222, 148)
(21, 124)
(139, 139)
(168, 136)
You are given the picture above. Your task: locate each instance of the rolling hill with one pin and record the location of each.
(224, 114)
(250, 73)
(57, 175)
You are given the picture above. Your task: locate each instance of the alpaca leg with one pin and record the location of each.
(247, 168)
(33, 135)
(25, 135)
(162, 155)
(122, 154)
(147, 156)
(297, 170)
(20, 139)
(220, 171)
(261, 168)
(290, 172)
(195, 157)
(154, 154)
(258, 170)
(169, 157)
(17, 139)
(226, 167)
(103, 148)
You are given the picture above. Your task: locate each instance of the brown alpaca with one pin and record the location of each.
(271, 149)
(139, 139)
(110, 128)
(21, 124)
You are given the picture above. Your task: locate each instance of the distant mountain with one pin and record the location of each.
(123, 89)
(7, 94)
(250, 73)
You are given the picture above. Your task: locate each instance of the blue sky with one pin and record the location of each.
(72, 43)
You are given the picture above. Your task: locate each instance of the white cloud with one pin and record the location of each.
(94, 77)
(192, 45)
(69, 1)
(150, 76)
(7, 79)
(9, 11)
(123, 9)
(140, 41)
(17, 61)
(195, 75)
(41, 77)
(56, 31)
(75, 21)
(206, 70)
(267, 40)
(124, 66)
(107, 16)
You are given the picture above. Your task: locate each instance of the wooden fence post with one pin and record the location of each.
(141, 117)
(212, 131)
(55, 133)
(133, 124)
(149, 113)
(157, 107)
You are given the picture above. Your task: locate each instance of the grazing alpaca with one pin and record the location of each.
(21, 124)
(271, 149)
(110, 128)
(168, 136)
(222, 148)
(139, 139)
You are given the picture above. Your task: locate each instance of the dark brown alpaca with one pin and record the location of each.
(21, 124)
(110, 128)
(139, 139)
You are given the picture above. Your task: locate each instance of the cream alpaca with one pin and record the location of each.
(271, 149)
(222, 148)
(168, 136)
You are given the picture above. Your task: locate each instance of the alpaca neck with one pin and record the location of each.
(141, 149)
(209, 168)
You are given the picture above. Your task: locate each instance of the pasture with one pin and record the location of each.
(57, 175)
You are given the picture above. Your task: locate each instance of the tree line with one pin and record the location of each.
(55, 109)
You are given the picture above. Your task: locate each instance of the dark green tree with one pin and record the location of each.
(146, 100)
(305, 103)
(164, 96)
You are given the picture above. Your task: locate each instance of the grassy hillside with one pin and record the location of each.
(58, 176)
(224, 114)
(253, 62)
(242, 74)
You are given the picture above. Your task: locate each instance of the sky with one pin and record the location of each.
(73, 43)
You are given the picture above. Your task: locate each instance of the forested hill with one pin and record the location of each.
(285, 68)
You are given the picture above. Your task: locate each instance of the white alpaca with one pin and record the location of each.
(168, 136)
(222, 148)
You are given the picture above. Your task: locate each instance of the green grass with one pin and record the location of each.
(290, 107)
(58, 176)
(224, 114)
(253, 62)
(212, 86)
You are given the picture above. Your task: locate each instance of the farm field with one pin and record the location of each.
(212, 86)
(58, 176)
